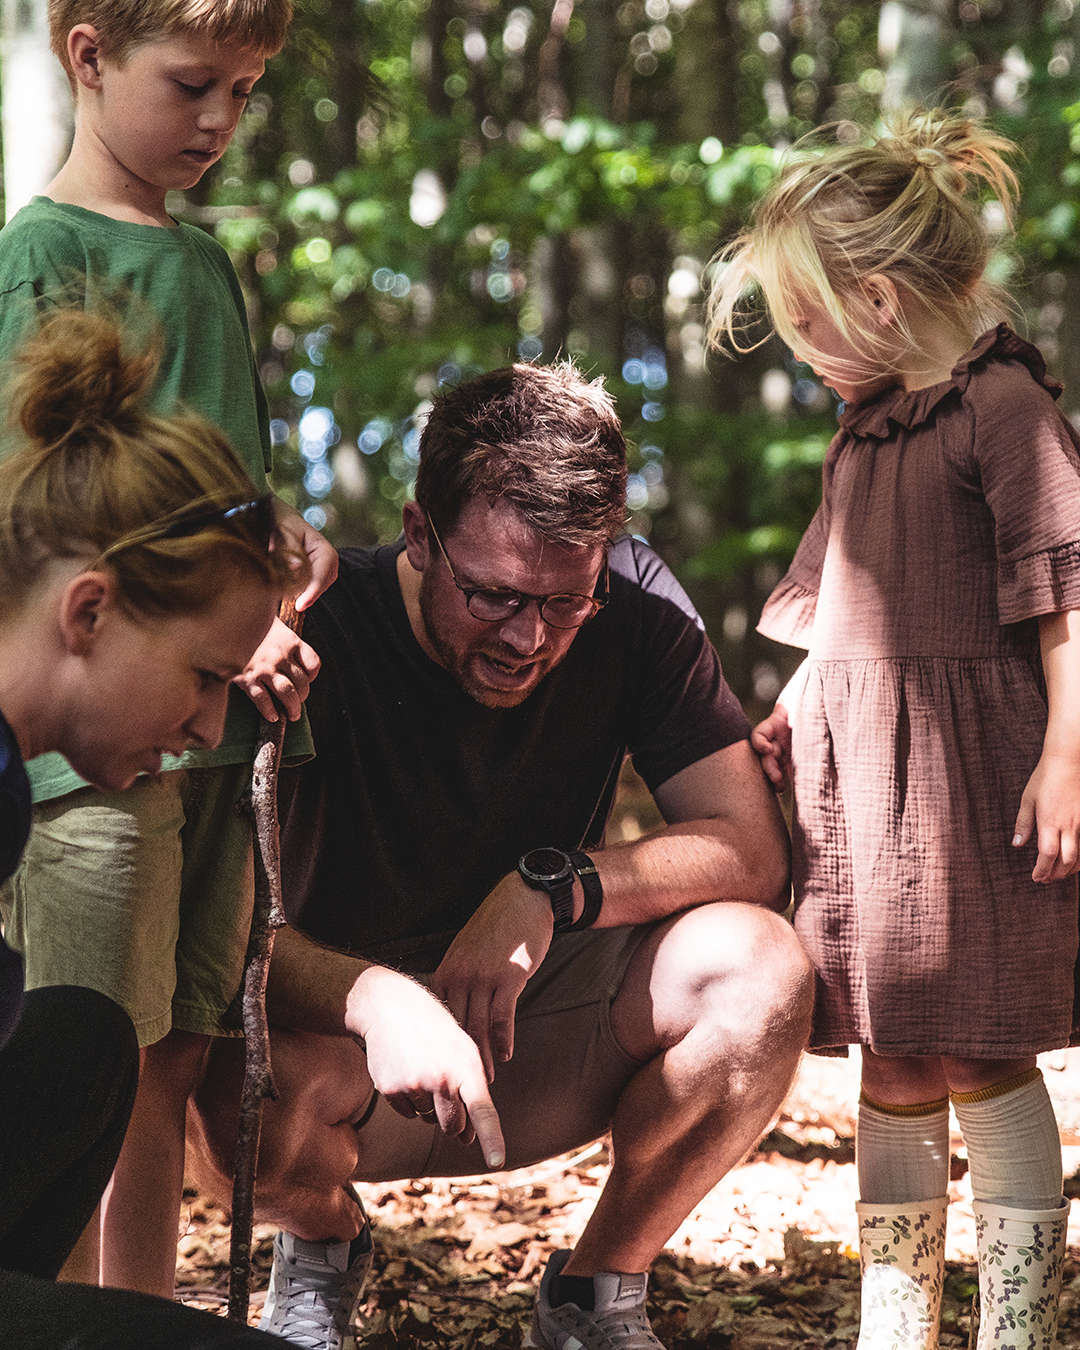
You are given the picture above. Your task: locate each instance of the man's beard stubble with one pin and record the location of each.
(458, 665)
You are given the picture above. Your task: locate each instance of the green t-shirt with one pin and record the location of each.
(207, 365)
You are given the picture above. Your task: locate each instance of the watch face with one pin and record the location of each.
(547, 864)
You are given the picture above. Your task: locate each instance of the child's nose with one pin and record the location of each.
(220, 114)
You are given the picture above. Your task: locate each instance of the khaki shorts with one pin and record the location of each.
(558, 1092)
(144, 895)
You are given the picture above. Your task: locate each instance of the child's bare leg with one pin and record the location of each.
(83, 1266)
(902, 1137)
(142, 1209)
(902, 1144)
(1007, 1119)
(905, 1080)
(1014, 1158)
(902, 1159)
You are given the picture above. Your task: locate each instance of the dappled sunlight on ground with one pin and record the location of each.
(769, 1257)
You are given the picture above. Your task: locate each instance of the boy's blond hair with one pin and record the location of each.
(900, 205)
(123, 25)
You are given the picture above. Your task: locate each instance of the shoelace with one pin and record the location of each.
(620, 1329)
(305, 1314)
(313, 1306)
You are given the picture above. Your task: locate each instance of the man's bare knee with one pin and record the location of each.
(306, 1141)
(737, 965)
(763, 982)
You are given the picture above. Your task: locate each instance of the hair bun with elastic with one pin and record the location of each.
(75, 373)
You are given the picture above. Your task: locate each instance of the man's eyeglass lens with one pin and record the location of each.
(493, 605)
(560, 611)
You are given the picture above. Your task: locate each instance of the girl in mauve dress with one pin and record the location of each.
(932, 735)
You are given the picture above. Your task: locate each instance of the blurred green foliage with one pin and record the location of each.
(423, 189)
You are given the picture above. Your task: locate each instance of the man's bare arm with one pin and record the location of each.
(417, 1055)
(725, 839)
(309, 985)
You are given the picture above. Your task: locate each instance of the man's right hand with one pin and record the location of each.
(421, 1060)
(488, 963)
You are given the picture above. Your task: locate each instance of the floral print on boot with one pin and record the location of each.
(1021, 1255)
(902, 1252)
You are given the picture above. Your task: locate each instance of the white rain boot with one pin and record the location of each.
(1021, 1255)
(902, 1253)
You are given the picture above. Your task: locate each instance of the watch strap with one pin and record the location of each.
(561, 895)
(585, 868)
(559, 889)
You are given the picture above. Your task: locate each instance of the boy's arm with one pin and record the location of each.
(279, 675)
(320, 553)
(37, 260)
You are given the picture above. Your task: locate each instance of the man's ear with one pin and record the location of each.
(418, 543)
(82, 605)
(84, 53)
(881, 292)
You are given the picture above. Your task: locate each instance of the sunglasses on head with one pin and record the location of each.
(257, 514)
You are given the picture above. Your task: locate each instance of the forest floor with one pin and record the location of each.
(768, 1259)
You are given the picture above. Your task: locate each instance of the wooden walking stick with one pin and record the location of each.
(267, 916)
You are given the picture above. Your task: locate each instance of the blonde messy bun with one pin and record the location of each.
(75, 380)
(904, 204)
(956, 151)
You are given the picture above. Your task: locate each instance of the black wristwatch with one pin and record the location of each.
(549, 869)
(552, 870)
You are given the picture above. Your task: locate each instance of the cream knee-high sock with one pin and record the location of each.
(1014, 1150)
(902, 1152)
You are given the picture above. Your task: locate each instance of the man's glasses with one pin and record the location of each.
(496, 604)
(257, 514)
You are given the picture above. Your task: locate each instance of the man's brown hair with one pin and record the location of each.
(542, 438)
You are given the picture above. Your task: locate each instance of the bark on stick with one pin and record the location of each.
(267, 917)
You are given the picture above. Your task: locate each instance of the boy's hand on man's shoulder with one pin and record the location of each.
(279, 675)
(320, 553)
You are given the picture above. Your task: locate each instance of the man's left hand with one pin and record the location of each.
(483, 973)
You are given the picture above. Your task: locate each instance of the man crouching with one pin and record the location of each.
(483, 679)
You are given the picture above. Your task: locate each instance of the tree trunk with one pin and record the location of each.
(913, 42)
(37, 117)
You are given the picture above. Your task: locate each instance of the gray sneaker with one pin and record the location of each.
(617, 1322)
(314, 1290)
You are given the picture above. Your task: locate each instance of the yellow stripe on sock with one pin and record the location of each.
(917, 1109)
(987, 1094)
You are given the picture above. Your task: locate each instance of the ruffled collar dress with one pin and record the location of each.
(950, 521)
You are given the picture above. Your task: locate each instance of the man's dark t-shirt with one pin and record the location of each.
(420, 799)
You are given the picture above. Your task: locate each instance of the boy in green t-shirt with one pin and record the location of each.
(146, 895)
